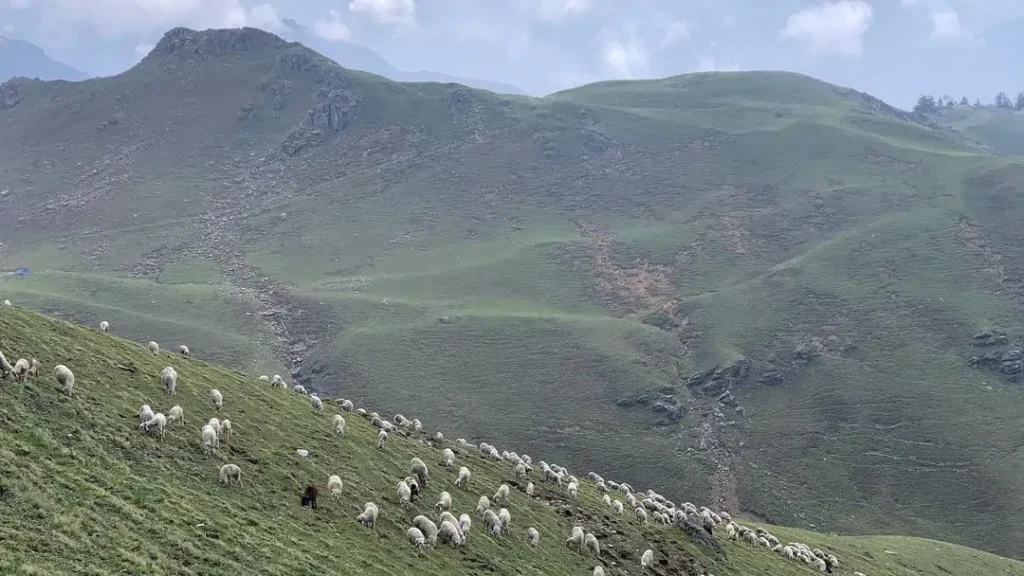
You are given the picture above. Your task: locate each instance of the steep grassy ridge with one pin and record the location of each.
(553, 271)
(84, 492)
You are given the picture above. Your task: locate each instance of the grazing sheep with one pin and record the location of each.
(750, 537)
(445, 501)
(404, 493)
(529, 489)
(463, 477)
(334, 486)
(820, 564)
(277, 382)
(447, 516)
(33, 369)
(465, 523)
(65, 378)
(572, 489)
(317, 403)
(505, 518)
(419, 468)
(145, 413)
(590, 543)
(369, 516)
(450, 534)
(7, 302)
(338, 423)
(646, 560)
(209, 441)
(229, 473)
(183, 350)
(216, 398)
(5, 366)
(21, 369)
(493, 523)
(309, 495)
(532, 536)
(438, 437)
(448, 458)
(598, 571)
(617, 506)
(377, 423)
(417, 425)
(427, 526)
(361, 411)
(483, 505)
(264, 378)
(169, 378)
(382, 440)
(416, 537)
(215, 424)
(155, 424)
(576, 540)
(104, 326)
(501, 496)
(176, 415)
(225, 430)
(153, 347)
(641, 515)
(347, 406)
(299, 389)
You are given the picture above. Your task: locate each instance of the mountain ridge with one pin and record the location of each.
(22, 58)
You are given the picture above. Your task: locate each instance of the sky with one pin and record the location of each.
(893, 49)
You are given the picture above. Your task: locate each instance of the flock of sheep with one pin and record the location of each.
(646, 507)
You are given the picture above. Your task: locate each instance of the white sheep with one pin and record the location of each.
(438, 437)
(449, 517)
(33, 369)
(347, 406)
(572, 489)
(145, 413)
(427, 526)
(277, 382)
(445, 501)
(576, 539)
(369, 516)
(225, 429)
(617, 506)
(532, 536)
(299, 389)
(21, 369)
(419, 468)
(598, 571)
(529, 489)
(404, 493)
(501, 495)
(216, 398)
(416, 538)
(646, 560)
(229, 473)
(209, 441)
(590, 543)
(5, 366)
(264, 378)
(382, 440)
(483, 505)
(317, 403)
(176, 415)
(215, 424)
(155, 424)
(65, 378)
(641, 515)
(334, 487)
(169, 378)
(463, 478)
(448, 458)
(465, 523)
(153, 347)
(183, 350)
(450, 534)
(493, 522)
(338, 424)
(505, 518)
(417, 425)
(104, 326)
(7, 302)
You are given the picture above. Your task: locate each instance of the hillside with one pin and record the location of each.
(21, 58)
(1001, 130)
(85, 492)
(756, 289)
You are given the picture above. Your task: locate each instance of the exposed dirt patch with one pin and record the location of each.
(973, 237)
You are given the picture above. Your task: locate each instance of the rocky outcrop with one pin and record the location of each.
(9, 95)
(190, 44)
(662, 404)
(332, 110)
(991, 338)
(717, 380)
(1009, 361)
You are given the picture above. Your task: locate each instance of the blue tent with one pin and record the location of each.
(22, 272)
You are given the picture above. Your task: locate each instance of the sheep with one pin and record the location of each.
(447, 516)
(338, 424)
(641, 515)
(416, 424)
(483, 505)
(576, 539)
(598, 571)
(104, 326)
(493, 522)
(215, 424)
(463, 477)
(216, 398)
(225, 430)
(277, 382)
(445, 501)
(427, 526)
(465, 523)
(529, 489)
(520, 470)
(145, 413)
(590, 543)
(532, 536)
(646, 560)
(369, 516)
(572, 489)
(229, 472)
(153, 347)
(334, 486)
(505, 518)
(617, 506)
(176, 415)
(309, 496)
(33, 369)
(264, 378)
(209, 441)
(787, 551)
(416, 538)
(5, 366)
(449, 534)
(317, 403)
(404, 493)
(607, 500)
(820, 564)
(419, 468)
(382, 440)
(20, 370)
(501, 495)
(65, 378)
(347, 406)
(832, 561)
(750, 537)
(377, 423)
(299, 389)
(448, 458)
(361, 412)
(155, 424)
(169, 378)
(7, 302)
(183, 350)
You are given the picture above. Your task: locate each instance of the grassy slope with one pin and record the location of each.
(780, 207)
(999, 129)
(85, 493)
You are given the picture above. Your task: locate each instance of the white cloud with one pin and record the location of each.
(21, 4)
(627, 58)
(386, 11)
(141, 50)
(265, 16)
(946, 25)
(831, 27)
(709, 63)
(332, 28)
(672, 30)
(555, 10)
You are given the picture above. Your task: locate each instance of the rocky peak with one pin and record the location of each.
(192, 44)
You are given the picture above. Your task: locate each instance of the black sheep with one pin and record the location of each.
(309, 496)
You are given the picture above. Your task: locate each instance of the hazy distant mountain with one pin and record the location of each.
(21, 58)
(358, 57)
